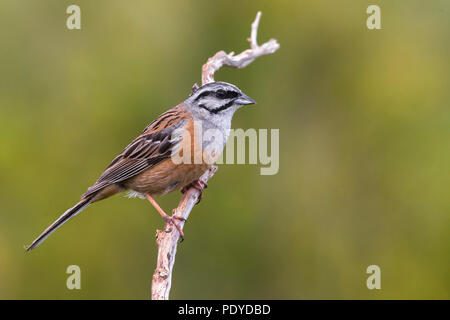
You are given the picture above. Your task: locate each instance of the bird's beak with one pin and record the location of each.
(244, 100)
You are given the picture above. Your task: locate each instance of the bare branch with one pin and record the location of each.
(241, 60)
(167, 241)
(254, 34)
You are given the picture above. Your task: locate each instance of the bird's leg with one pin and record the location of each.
(197, 184)
(166, 217)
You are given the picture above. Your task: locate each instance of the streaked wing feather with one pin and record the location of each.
(144, 152)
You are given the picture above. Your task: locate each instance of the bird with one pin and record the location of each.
(147, 167)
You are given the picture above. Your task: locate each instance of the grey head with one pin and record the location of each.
(216, 102)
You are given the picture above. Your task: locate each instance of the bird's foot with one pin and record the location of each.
(173, 221)
(197, 184)
(168, 219)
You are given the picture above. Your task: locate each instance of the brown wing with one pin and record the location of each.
(154, 145)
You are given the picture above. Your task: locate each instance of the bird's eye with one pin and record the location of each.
(221, 94)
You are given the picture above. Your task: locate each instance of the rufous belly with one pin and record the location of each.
(165, 177)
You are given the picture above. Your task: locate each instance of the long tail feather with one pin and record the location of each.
(70, 213)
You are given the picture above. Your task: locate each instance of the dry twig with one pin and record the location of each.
(167, 241)
(241, 60)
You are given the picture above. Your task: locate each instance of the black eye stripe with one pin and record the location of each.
(203, 94)
(221, 94)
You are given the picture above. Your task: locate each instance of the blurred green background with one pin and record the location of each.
(364, 148)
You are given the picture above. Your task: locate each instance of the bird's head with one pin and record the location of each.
(217, 99)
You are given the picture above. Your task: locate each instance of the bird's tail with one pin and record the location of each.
(60, 221)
